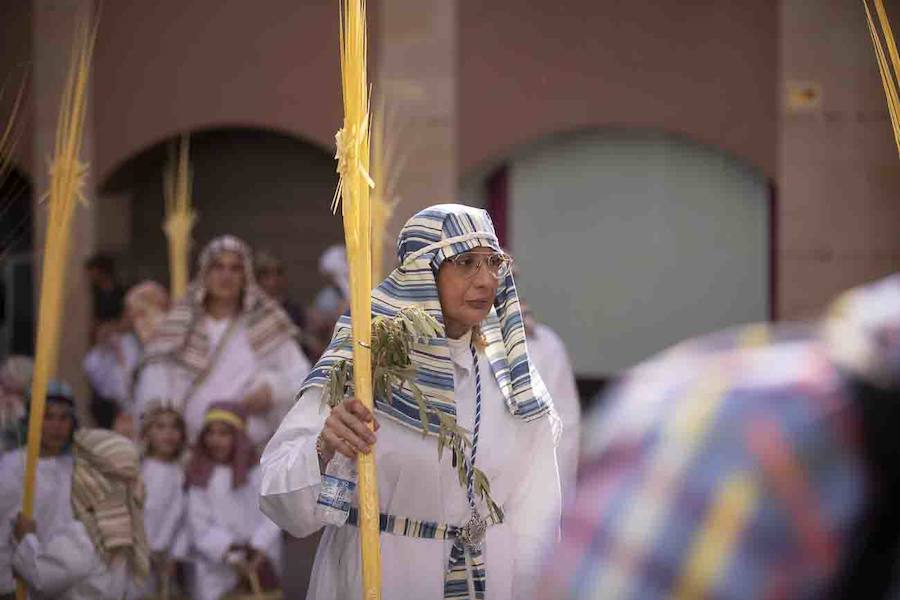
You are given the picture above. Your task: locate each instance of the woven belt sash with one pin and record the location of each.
(464, 560)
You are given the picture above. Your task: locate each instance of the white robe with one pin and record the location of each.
(165, 508)
(548, 354)
(517, 456)
(165, 516)
(52, 503)
(218, 517)
(237, 371)
(111, 373)
(67, 567)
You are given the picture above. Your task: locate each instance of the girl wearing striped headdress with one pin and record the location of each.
(232, 541)
(440, 537)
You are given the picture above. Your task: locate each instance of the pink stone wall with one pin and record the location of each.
(168, 65)
(704, 69)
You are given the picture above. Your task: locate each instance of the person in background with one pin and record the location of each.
(231, 538)
(98, 545)
(760, 462)
(164, 438)
(15, 379)
(548, 353)
(225, 340)
(54, 470)
(334, 297)
(108, 293)
(331, 302)
(111, 363)
(271, 278)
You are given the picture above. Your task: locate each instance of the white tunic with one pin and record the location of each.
(110, 369)
(52, 503)
(165, 518)
(165, 508)
(237, 371)
(548, 354)
(67, 567)
(218, 517)
(517, 456)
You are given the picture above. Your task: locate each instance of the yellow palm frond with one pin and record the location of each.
(67, 176)
(180, 217)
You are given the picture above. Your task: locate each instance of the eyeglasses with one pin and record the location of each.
(498, 264)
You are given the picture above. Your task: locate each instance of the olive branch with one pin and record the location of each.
(392, 340)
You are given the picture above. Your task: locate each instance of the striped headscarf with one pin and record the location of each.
(108, 496)
(426, 241)
(181, 336)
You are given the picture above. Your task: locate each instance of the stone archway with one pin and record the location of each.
(269, 188)
(631, 240)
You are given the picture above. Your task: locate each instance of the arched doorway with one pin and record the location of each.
(17, 310)
(271, 189)
(629, 241)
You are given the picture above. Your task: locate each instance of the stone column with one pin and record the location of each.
(53, 24)
(417, 73)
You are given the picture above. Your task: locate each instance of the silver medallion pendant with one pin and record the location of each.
(472, 533)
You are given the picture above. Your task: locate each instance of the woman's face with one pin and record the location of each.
(466, 289)
(165, 436)
(218, 438)
(225, 277)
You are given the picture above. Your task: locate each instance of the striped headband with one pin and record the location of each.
(223, 416)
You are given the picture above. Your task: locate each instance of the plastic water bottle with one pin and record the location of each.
(338, 488)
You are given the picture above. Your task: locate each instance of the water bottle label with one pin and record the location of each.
(336, 493)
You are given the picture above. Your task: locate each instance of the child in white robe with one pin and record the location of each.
(99, 545)
(165, 510)
(228, 531)
(54, 475)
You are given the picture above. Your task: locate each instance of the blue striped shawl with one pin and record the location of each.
(427, 239)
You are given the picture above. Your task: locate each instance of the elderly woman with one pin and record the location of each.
(477, 375)
(226, 340)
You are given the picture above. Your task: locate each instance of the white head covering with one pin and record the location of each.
(333, 264)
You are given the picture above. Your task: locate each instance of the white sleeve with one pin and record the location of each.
(210, 538)
(533, 512)
(10, 500)
(52, 568)
(284, 370)
(106, 376)
(290, 468)
(267, 535)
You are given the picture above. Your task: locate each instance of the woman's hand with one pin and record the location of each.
(346, 430)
